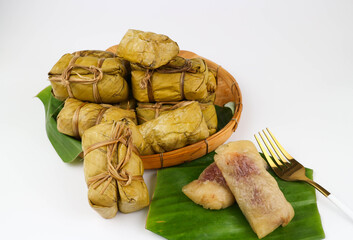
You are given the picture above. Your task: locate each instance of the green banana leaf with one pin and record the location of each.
(174, 216)
(224, 115)
(69, 148)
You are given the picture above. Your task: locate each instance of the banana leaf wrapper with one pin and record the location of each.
(147, 49)
(212, 80)
(77, 116)
(129, 104)
(178, 80)
(93, 76)
(211, 97)
(148, 111)
(211, 86)
(134, 196)
(113, 170)
(143, 147)
(178, 128)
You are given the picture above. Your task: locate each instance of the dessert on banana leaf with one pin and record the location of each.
(178, 80)
(175, 129)
(210, 190)
(147, 49)
(255, 190)
(77, 116)
(149, 111)
(113, 169)
(94, 76)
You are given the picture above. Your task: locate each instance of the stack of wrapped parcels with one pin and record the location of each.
(174, 98)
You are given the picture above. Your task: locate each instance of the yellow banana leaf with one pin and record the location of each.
(93, 76)
(113, 169)
(77, 116)
(178, 80)
(148, 49)
(149, 111)
(129, 104)
(176, 129)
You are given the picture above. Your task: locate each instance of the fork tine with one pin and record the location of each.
(285, 153)
(268, 158)
(277, 161)
(285, 162)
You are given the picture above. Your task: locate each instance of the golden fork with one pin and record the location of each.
(288, 169)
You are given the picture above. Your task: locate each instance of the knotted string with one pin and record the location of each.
(159, 107)
(120, 134)
(76, 118)
(146, 81)
(100, 115)
(75, 121)
(65, 80)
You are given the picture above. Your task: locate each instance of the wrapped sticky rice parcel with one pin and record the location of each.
(178, 80)
(94, 76)
(113, 169)
(128, 104)
(147, 49)
(77, 116)
(149, 111)
(175, 129)
(212, 80)
(211, 86)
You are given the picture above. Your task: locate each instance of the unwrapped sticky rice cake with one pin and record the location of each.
(255, 190)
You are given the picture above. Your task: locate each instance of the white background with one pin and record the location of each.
(293, 61)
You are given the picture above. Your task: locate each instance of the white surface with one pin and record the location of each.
(293, 61)
(341, 206)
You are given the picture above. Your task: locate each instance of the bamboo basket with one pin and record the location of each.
(227, 90)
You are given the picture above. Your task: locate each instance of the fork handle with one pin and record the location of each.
(341, 206)
(317, 186)
(332, 198)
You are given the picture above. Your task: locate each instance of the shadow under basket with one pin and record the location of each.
(227, 91)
